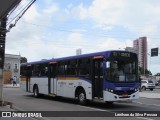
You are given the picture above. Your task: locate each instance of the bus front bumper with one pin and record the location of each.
(108, 96)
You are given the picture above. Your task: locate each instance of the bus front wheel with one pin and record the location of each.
(82, 97)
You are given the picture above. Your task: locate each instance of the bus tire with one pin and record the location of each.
(82, 97)
(36, 92)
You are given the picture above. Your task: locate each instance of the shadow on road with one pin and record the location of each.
(97, 105)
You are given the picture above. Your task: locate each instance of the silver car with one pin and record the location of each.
(147, 84)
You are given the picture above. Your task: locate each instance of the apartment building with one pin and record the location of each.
(140, 45)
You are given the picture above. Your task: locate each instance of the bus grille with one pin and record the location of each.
(117, 92)
(124, 85)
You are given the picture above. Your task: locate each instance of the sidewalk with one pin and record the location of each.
(11, 86)
(149, 95)
(4, 109)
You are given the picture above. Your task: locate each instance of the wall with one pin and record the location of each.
(11, 67)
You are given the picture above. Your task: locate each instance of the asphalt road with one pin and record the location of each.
(27, 102)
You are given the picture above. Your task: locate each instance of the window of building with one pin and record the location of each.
(16, 66)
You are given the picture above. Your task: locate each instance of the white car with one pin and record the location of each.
(147, 84)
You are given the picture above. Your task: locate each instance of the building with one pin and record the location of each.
(140, 45)
(11, 67)
(78, 51)
(131, 49)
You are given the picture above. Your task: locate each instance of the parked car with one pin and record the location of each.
(147, 84)
(158, 83)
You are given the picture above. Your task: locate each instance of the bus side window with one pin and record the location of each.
(108, 70)
(37, 70)
(61, 68)
(29, 71)
(43, 70)
(84, 67)
(52, 70)
(23, 71)
(71, 67)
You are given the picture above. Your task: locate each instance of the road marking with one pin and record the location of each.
(145, 118)
(111, 112)
(92, 108)
(146, 104)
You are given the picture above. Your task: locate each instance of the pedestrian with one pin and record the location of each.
(140, 83)
(11, 80)
(14, 81)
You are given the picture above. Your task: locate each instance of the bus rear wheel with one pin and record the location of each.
(36, 92)
(82, 97)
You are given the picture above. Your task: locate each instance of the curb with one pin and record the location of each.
(10, 86)
(6, 103)
(8, 106)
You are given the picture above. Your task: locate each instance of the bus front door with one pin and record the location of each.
(97, 75)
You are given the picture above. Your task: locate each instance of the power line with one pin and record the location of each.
(20, 14)
(98, 34)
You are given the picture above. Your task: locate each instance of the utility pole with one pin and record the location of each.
(2, 53)
(3, 30)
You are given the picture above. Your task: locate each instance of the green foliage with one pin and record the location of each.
(158, 74)
(141, 71)
(23, 60)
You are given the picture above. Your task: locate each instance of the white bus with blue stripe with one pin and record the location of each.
(108, 76)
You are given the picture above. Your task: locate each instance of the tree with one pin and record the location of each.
(147, 72)
(23, 60)
(158, 74)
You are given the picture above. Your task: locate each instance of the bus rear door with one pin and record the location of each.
(52, 81)
(28, 76)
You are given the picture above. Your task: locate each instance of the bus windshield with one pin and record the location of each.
(120, 70)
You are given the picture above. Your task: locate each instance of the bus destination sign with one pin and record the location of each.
(121, 54)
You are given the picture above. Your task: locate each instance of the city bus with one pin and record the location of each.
(108, 76)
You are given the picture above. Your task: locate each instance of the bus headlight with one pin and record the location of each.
(135, 90)
(110, 90)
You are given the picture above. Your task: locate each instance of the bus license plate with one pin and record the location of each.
(125, 95)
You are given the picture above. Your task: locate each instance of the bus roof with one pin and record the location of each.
(104, 53)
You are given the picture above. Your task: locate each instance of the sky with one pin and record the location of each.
(56, 28)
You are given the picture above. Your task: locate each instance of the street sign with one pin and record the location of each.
(154, 52)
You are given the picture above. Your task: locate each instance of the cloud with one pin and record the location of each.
(27, 38)
(102, 11)
(51, 9)
(31, 14)
(41, 41)
(140, 17)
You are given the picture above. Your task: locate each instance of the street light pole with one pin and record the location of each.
(145, 56)
(144, 65)
(149, 60)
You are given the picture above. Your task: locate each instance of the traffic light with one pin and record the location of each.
(154, 52)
